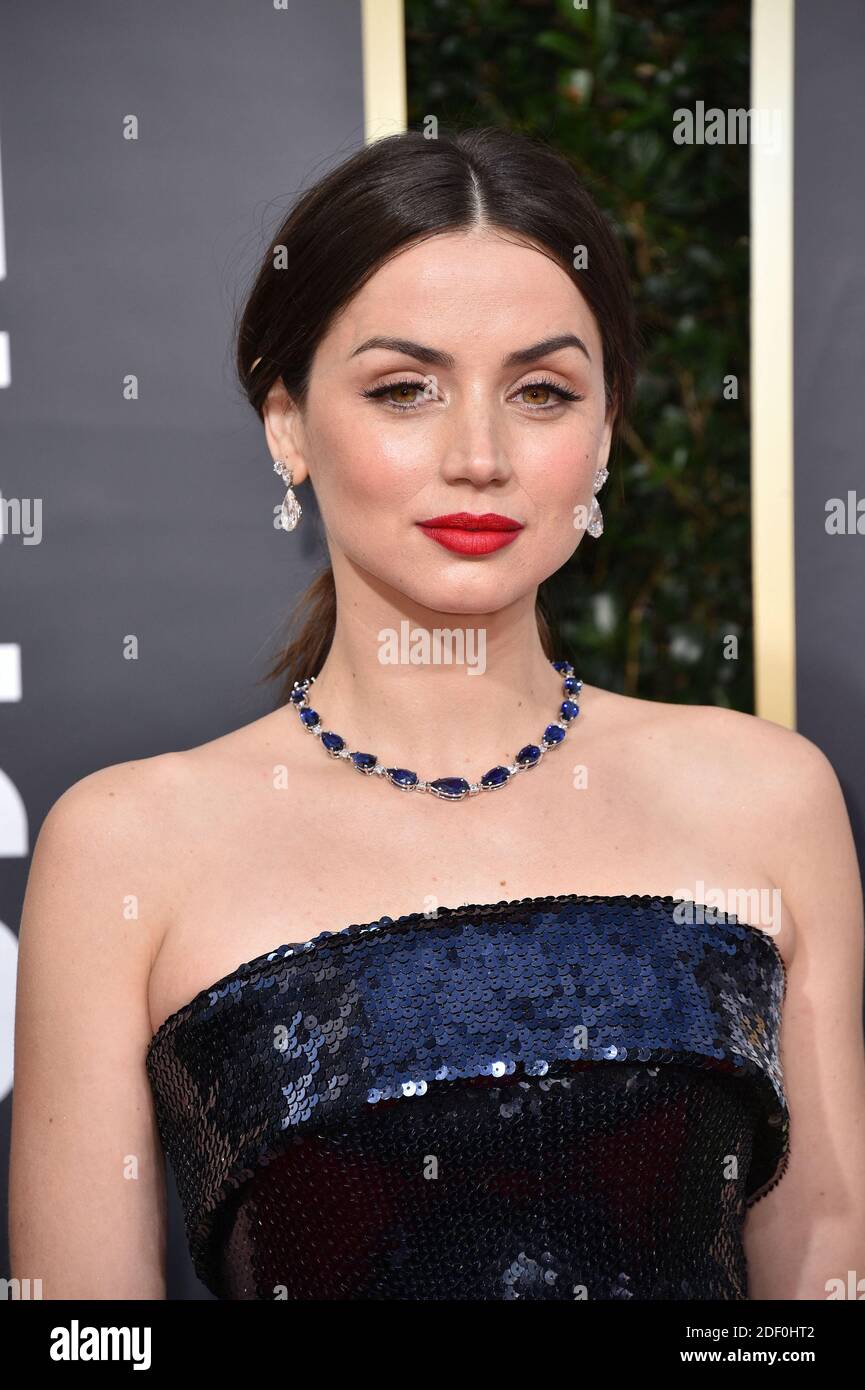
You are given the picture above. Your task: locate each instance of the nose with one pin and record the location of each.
(477, 449)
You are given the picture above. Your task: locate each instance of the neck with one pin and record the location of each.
(441, 693)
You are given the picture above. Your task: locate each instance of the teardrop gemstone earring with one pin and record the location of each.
(291, 510)
(595, 525)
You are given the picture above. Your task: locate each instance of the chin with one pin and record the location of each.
(466, 601)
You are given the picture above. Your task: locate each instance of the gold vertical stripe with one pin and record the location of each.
(384, 84)
(772, 479)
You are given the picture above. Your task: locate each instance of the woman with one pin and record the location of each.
(527, 1068)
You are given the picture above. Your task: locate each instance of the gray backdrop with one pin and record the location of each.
(829, 381)
(129, 257)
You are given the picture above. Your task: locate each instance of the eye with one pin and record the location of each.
(375, 392)
(544, 384)
(415, 390)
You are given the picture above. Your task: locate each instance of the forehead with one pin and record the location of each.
(480, 288)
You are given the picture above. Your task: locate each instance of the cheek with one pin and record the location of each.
(359, 470)
(359, 476)
(557, 474)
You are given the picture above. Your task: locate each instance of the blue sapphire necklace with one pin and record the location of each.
(449, 788)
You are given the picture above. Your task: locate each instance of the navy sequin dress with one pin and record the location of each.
(561, 1097)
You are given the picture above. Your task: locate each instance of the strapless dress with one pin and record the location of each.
(564, 1097)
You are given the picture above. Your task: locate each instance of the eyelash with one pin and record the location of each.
(562, 392)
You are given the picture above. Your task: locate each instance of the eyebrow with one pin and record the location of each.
(435, 357)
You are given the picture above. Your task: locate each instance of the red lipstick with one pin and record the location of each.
(468, 534)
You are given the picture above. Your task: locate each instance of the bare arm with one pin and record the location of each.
(810, 1229)
(87, 1187)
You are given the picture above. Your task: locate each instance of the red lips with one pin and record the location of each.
(467, 521)
(470, 534)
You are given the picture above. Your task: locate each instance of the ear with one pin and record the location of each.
(605, 440)
(283, 430)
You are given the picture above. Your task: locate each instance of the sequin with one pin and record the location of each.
(561, 1097)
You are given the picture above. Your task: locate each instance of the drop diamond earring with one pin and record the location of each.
(595, 525)
(291, 510)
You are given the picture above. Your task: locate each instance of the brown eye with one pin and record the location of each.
(401, 390)
(536, 391)
(544, 389)
(399, 400)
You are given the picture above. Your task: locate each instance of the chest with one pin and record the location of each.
(280, 862)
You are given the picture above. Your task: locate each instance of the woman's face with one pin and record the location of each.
(458, 423)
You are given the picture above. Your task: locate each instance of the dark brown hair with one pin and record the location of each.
(394, 191)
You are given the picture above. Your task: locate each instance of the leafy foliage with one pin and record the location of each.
(647, 609)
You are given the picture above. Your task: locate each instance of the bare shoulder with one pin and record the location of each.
(125, 804)
(150, 799)
(768, 758)
(760, 782)
(112, 863)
